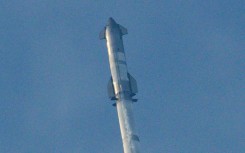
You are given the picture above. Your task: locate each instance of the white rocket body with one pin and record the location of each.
(122, 86)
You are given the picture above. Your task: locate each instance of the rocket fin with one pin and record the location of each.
(133, 85)
(102, 34)
(110, 89)
(123, 30)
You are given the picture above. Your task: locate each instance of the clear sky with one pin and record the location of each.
(187, 56)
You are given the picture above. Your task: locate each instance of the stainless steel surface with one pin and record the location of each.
(122, 86)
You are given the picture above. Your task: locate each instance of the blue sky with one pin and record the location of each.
(187, 57)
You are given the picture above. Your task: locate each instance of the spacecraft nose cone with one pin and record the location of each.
(111, 21)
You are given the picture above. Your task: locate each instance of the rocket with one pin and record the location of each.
(122, 87)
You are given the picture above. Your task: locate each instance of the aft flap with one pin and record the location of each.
(123, 30)
(110, 89)
(133, 85)
(102, 34)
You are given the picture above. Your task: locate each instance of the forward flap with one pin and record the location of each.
(102, 34)
(123, 30)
